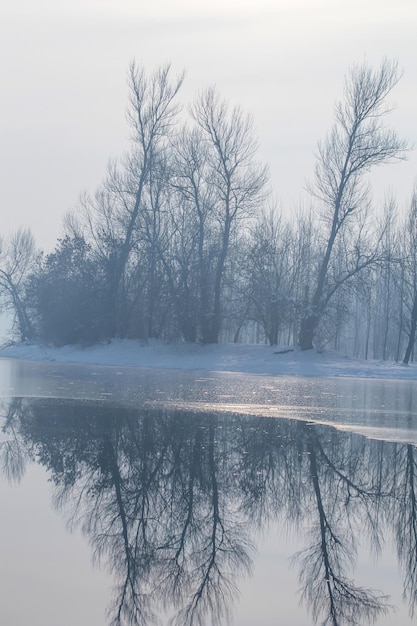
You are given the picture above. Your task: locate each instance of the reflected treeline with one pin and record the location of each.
(171, 501)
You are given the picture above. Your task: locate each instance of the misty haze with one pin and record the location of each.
(208, 314)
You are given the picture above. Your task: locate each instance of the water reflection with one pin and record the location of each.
(172, 502)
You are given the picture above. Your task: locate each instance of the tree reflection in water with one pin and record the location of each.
(342, 492)
(170, 502)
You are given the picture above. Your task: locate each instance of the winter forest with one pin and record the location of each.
(183, 240)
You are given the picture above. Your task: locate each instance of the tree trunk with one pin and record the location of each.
(412, 336)
(308, 328)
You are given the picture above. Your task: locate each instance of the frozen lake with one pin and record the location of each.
(129, 494)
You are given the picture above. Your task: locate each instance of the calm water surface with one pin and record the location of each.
(129, 495)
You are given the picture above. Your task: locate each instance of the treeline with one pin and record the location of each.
(182, 241)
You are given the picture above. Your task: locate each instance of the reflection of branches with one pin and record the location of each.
(360, 491)
(12, 460)
(328, 591)
(13, 452)
(131, 603)
(405, 520)
(168, 501)
(325, 586)
(271, 470)
(223, 553)
(153, 498)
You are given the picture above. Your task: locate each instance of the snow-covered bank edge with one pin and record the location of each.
(250, 358)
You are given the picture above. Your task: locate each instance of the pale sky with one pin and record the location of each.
(63, 68)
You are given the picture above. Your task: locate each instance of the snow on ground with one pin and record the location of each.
(250, 358)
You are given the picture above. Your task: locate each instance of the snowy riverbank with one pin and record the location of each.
(221, 357)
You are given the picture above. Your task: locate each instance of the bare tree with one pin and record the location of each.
(271, 274)
(151, 115)
(192, 227)
(358, 142)
(17, 258)
(237, 183)
(411, 273)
